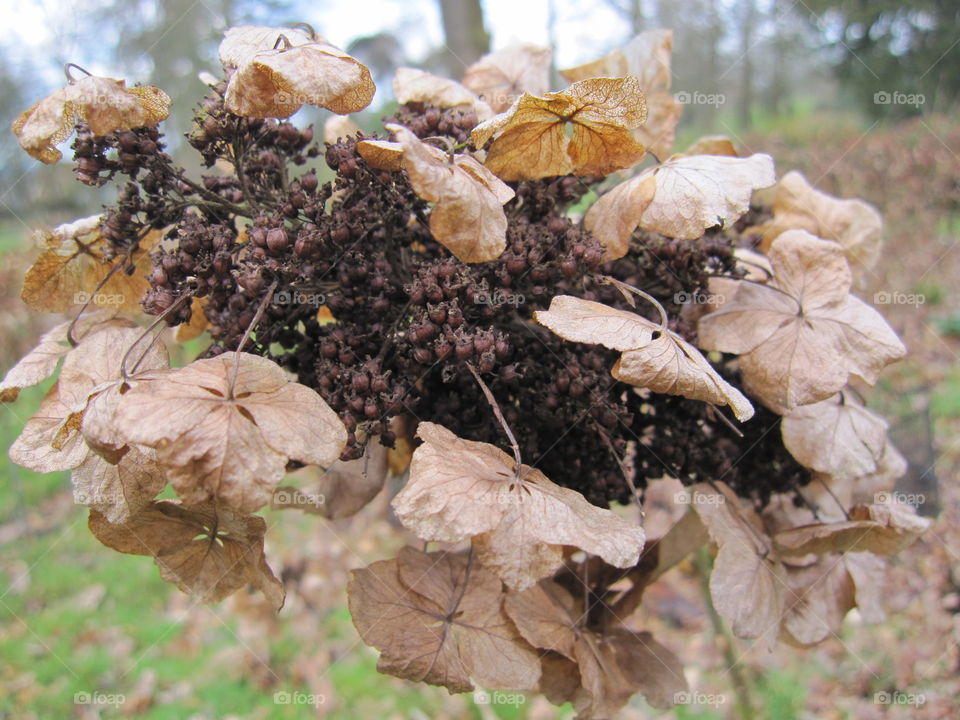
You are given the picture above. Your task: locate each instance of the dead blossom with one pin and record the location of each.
(439, 295)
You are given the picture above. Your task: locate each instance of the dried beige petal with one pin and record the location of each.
(613, 664)
(712, 145)
(468, 216)
(658, 133)
(205, 550)
(104, 104)
(197, 324)
(277, 81)
(747, 582)
(680, 198)
(74, 263)
(117, 491)
(855, 224)
(530, 140)
(50, 440)
(818, 597)
(802, 335)
(880, 529)
(646, 57)
(502, 76)
(381, 154)
(412, 85)
(837, 436)
(460, 490)
(342, 489)
(234, 448)
(337, 127)
(438, 618)
(652, 357)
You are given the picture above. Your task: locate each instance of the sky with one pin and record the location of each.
(582, 27)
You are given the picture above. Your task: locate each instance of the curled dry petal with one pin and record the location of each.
(74, 262)
(104, 104)
(337, 127)
(880, 529)
(467, 216)
(520, 521)
(502, 76)
(438, 618)
(606, 667)
(205, 550)
(837, 436)
(802, 335)
(530, 139)
(747, 582)
(853, 223)
(275, 79)
(234, 448)
(652, 357)
(412, 85)
(681, 198)
(121, 490)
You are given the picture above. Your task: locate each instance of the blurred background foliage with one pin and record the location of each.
(804, 81)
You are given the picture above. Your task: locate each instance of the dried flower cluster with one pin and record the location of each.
(441, 293)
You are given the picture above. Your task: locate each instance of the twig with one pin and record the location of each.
(246, 336)
(500, 418)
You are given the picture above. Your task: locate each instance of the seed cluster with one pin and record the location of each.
(363, 305)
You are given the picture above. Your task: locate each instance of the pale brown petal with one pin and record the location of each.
(502, 76)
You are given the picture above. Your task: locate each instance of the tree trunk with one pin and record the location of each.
(748, 21)
(466, 36)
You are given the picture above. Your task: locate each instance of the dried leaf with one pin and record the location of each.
(530, 139)
(837, 436)
(205, 550)
(652, 357)
(301, 71)
(460, 490)
(439, 619)
(468, 216)
(680, 198)
(104, 104)
(855, 224)
(747, 582)
(411, 85)
(234, 448)
(72, 265)
(501, 77)
(802, 335)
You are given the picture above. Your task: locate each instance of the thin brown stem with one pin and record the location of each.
(246, 336)
(500, 419)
